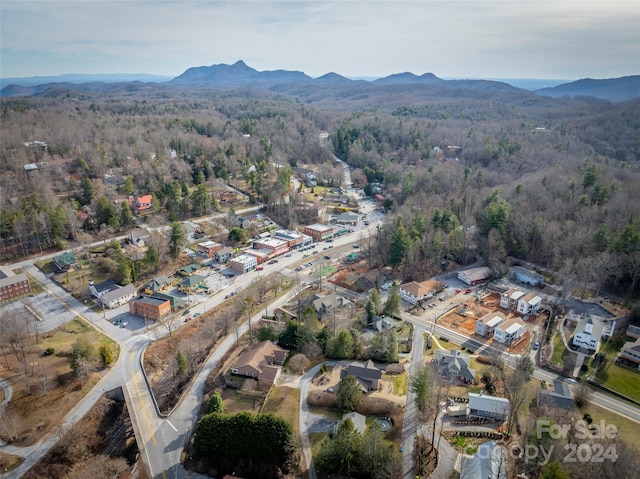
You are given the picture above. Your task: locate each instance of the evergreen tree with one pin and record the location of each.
(349, 394)
(126, 218)
(392, 305)
(177, 239)
(398, 245)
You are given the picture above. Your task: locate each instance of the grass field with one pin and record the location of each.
(623, 380)
(627, 430)
(284, 402)
(560, 352)
(400, 382)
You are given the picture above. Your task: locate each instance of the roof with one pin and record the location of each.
(359, 421)
(118, 293)
(420, 289)
(455, 362)
(175, 302)
(589, 325)
(560, 397)
(18, 278)
(481, 402)
(209, 244)
(158, 282)
(488, 462)
(632, 347)
(288, 234)
(329, 301)
(271, 242)
(381, 324)
(511, 325)
(262, 357)
(492, 319)
(514, 294)
(193, 280)
(151, 300)
(244, 258)
(527, 272)
(106, 286)
(320, 227)
(366, 371)
(531, 298)
(224, 250)
(190, 268)
(65, 258)
(477, 274)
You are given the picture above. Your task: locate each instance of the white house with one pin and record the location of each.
(119, 296)
(631, 352)
(416, 292)
(509, 299)
(486, 324)
(529, 304)
(588, 333)
(488, 406)
(526, 276)
(510, 330)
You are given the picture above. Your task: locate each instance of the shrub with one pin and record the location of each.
(49, 352)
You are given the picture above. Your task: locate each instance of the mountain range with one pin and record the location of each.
(240, 75)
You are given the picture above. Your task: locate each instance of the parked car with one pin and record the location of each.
(288, 255)
(187, 319)
(124, 325)
(259, 268)
(356, 246)
(196, 315)
(536, 345)
(467, 291)
(273, 261)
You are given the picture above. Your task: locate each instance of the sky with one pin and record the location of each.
(562, 39)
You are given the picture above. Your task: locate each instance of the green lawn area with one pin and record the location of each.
(560, 352)
(400, 382)
(326, 271)
(625, 381)
(627, 430)
(284, 402)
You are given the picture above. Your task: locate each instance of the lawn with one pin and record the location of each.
(400, 382)
(284, 402)
(627, 430)
(623, 380)
(560, 352)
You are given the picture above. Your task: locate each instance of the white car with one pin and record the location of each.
(124, 325)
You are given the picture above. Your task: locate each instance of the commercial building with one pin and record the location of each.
(209, 248)
(243, 263)
(275, 245)
(119, 296)
(474, 276)
(319, 232)
(14, 286)
(415, 293)
(150, 308)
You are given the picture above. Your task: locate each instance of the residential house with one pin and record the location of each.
(65, 261)
(487, 324)
(138, 236)
(141, 204)
(588, 333)
(557, 398)
(159, 283)
(381, 324)
(367, 375)
(489, 462)
(631, 352)
(509, 299)
(524, 275)
(194, 230)
(209, 248)
(262, 361)
(275, 245)
(415, 293)
(243, 263)
(193, 283)
(633, 331)
(118, 296)
(256, 222)
(358, 420)
(488, 406)
(509, 330)
(98, 290)
(223, 255)
(529, 304)
(474, 276)
(455, 364)
(319, 232)
(189, 269)
(348, 218)
(14, 286)
(149, 307)
(327, 303)
(369, 279)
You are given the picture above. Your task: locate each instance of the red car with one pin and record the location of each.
(468, 290)
(187, 319)
(259, 268)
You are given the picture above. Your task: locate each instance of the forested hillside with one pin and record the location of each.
(468, 173)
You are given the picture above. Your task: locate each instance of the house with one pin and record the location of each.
(142, 203)
(98, 290)
(509, 330)
(557, 398)
(189, 269)
(319, 232)
(65, 261)
(327, 303)
(529, 304)
(243, 263)
(455, 365)
(358, 420)
(311, 180)
(223, 255)
(369, 279)
(274, 245)
(348, 218)
(488, 406)
(193, 283)
(509, 299)
(13, 286)
(150, 308)
(209, 248)
(194, 230)
(262, 361)
(257, 222)
(489, 462)
(630, 352)
(381, 324)
(159, 283)
(118, 296)
(138, 236)
(367, 375)
(415, 293)
(588, 333)
(474, 276)
(524, 275)
(487, 324)
(633, 331)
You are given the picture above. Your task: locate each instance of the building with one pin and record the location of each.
(13, 286)
(509, 330)
(524, 275)
(367, 375)
(209, 248)
(455, 365)
(118, 296)
(193, 283)
(149, 307)
(262, 255)
(529, 304)
(487, 324)
(142, 203)
(100, 289)
(588, 333)
(194, 230)
(509, 299)
(138, 236)
(415, 293)
(293, 238)
(631, 352)
(488, 406)
(159, 283)
(319, 232)
(189, 269)
(176, 303)
(243, 263)
(381, 324)
(65, 261)
(327, 303)
(557, 398)
(474, 276)
(275, 245)
(347, 218)
(223, 255)
(358, 420)
(489, 462)
(263, 361)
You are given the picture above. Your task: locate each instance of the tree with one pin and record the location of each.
(215, 403)
(392, 305)
(88, 191)
(349, 394)
(238, 235)
(152, 257)
(199, 200)
(421, 387)
(126, 217)
(177, 239)
(106, 355)
(183, 364)
(340, 455)
(398, 245)
(341, 346)
(267, 332)
(129, 187)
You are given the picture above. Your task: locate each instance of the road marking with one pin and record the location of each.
(172, 426)
(144, 410)
(131, 358)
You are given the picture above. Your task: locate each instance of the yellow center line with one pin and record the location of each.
(131, 358)
(144, 410)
